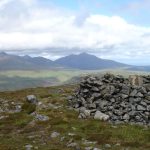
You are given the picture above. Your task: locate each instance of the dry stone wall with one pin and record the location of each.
(113, 98)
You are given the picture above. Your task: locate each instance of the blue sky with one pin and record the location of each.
(134, 11)
(110, 29)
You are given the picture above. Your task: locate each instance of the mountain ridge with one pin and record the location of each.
(12, 62)
(82, 61)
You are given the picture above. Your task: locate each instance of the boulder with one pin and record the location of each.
(32, 99)
(136, 80)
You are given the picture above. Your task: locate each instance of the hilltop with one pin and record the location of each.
(56, 126)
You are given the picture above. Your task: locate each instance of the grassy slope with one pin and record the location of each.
(17, 130)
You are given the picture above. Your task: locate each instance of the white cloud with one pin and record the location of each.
(3, 3)
(33, 27)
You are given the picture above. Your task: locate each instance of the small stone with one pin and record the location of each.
(87, 113)
(28, 147)
(86, 142)
(124, 96)
(101, 116)
(125, 90)
(137, 100)
(55, 135)
(2, 117)
(95, 89)
(148, 97)
(92, 106)
(138, 118)
(88, 148)
(141, 108)
(70, 97)
(148, 108)
(72, 144)
(139, 94)
(41, 117)
(96, 149)
(118, 144)
(112, 100)
(62, 139)
(126, 117)
(82, 116)
(115, 127)
(123, 104)
(71, 134)
(85, 91)
(107, 146)
(133, 93)
(143, 90)
(143, 103)
(96, 95)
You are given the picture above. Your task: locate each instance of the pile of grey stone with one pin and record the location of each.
(113, 98)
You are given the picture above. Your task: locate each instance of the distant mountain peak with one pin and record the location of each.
(84, 53)
(27, 57)
(3, 53)
(87, 61)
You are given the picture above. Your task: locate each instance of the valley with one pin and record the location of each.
(21, 79)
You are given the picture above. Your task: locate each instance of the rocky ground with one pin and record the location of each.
(40, 119)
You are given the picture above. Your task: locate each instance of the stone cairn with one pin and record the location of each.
(113, 98)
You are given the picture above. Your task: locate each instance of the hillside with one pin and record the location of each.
(86, 61)
(58, 127)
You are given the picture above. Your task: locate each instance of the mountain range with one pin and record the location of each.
(13, 62)
(81, 61)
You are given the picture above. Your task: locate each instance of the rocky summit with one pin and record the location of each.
(114, 99)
